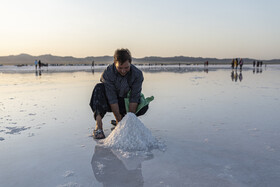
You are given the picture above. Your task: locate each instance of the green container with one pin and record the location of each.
(143, 102)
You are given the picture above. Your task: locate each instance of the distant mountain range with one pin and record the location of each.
(26, 59)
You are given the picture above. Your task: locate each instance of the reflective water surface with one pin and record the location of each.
(220, 127)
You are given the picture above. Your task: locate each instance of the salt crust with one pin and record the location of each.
(130, 135)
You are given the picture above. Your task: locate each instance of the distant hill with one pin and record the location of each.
(50, 59)
(26, 59)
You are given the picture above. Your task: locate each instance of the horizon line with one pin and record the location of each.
(146, 57)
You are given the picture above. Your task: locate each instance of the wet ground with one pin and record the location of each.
(220, 128)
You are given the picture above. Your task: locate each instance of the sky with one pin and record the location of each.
(196, 28)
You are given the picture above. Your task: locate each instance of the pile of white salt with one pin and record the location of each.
(130, 135)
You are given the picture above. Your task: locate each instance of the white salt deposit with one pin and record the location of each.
(130, 135)
(68, 173)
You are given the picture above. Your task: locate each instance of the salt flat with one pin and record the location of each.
(219, 127)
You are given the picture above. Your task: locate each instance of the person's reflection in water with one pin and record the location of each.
(92, 70)
(111, 171)
(38, 72)
(205, 69)
(240, 76)
(235, 75)
(232, 75)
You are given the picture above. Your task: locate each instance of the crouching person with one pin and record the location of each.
(119, 91)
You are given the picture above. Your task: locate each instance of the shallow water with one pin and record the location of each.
(219, 128)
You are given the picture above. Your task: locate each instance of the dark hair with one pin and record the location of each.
(122, 55)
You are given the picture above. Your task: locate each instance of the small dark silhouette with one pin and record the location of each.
(240, 76)
(241, 63)
(40, 64)
(254, 63)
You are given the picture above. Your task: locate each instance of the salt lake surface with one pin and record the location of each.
(219, 127)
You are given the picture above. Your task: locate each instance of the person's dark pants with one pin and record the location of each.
(100, 105)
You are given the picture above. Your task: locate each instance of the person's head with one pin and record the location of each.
(122, 61)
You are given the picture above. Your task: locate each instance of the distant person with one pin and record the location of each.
(254, 63)
(241, 63)
(236, 63)
(232, 63)
(40, 64)
(117, 81)
(206, 63)
(261, 62)
(258, 63)
(36, 64)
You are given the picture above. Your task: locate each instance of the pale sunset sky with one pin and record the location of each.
(197, 28)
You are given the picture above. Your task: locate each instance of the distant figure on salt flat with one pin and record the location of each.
(236, 63)
(206, 63)
(40, 64)
(254, 63)
(36, 64)
(119, 91)
(241, 63)
(232, 63)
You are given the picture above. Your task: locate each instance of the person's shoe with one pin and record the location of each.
(98, 134)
